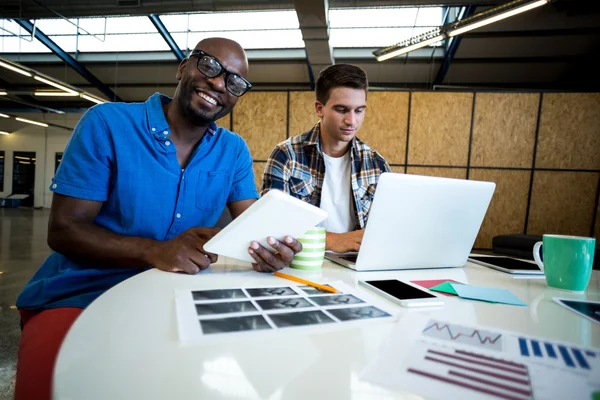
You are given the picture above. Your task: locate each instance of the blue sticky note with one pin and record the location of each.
(492, 295)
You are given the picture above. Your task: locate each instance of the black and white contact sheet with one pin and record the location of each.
(212, 313)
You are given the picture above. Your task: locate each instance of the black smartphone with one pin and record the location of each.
(402, 293)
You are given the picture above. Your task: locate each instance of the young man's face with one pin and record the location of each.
(343, 113)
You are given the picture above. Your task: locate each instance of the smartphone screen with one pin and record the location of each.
(508, 263)
(400, 290)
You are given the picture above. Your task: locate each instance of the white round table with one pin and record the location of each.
(125, 344)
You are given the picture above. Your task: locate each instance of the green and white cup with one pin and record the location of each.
(313, 250)
(567, 261)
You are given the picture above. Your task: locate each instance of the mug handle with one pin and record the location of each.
(536, 255)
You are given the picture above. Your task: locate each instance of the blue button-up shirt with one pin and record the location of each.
(122, 155)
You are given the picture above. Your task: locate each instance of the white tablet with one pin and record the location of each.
(275, 214)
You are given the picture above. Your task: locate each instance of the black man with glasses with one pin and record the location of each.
(141, 185)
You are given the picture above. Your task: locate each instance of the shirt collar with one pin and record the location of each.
(157, 122)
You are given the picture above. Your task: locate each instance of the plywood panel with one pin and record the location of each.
(398, 168)
(261, 119)
(457, 173)
(259, 168)
(302, 112)
(569, 134)
(440, 126)
(385, 125)
(562, 202)
(504, 129)
(507, 210)
(225, 122)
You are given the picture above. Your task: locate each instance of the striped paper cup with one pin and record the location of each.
(313, 250)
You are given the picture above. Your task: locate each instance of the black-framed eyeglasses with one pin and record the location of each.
(210, 67)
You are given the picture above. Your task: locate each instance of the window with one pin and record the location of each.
(57, 160)
(381, 27)
(253, 30)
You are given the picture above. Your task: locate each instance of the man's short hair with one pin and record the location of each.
(340, 75)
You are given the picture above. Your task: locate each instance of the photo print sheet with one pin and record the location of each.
(225, 313)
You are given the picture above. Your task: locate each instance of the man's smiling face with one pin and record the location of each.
(204, 99)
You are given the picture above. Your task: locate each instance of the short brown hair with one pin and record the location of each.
(340, 75)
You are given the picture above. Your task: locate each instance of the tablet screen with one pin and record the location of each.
(507, 263)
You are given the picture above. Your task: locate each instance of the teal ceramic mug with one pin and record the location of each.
(567, 261)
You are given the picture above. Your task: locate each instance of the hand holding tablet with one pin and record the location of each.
(276, 215)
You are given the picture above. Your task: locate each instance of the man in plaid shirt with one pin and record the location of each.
(328, 166)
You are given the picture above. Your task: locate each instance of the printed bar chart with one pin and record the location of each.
(570, 356)
(476, 372)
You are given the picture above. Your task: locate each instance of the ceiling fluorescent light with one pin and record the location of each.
(13, 68)
(92, 98)
(3, 93)
(53, 93)
(497, 17)
(410, 48)
(32, 122)
(4, 115)
(56, 85)
(4, 133)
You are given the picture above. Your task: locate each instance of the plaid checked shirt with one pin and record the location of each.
(296, 167)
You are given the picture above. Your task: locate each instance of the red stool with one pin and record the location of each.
(42, 335)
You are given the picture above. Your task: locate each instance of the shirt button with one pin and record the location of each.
(178, 215)
(153, 129)
(54, 186)
(168, 143)
(165, 132)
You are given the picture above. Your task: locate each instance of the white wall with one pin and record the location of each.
(45, 142)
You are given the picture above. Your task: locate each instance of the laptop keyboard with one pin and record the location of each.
(350, 257)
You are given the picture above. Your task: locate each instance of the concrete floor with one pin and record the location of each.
(23, 249)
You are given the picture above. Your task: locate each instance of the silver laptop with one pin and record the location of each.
(420, 222)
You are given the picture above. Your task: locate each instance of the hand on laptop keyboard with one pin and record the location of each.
(344, 242)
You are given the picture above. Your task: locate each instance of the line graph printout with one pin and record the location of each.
(464, 334)
(439, 359)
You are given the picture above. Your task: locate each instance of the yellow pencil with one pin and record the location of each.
(309, 283)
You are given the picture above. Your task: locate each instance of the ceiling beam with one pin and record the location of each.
(19, 100)
(87, 8)
(166, 35)
(66, 57)
(533, 33)
(452, 48)
(314, 24)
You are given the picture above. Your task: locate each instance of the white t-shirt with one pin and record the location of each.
(336, 195)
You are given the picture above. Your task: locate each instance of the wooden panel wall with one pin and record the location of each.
(457, 173)
(440, 125)
(504, 129)
(261, 119)
(541, 150)
(563, 202)
(225, 122)
(569, 131)
(507, 211)
(386, 124)
(302, 112)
